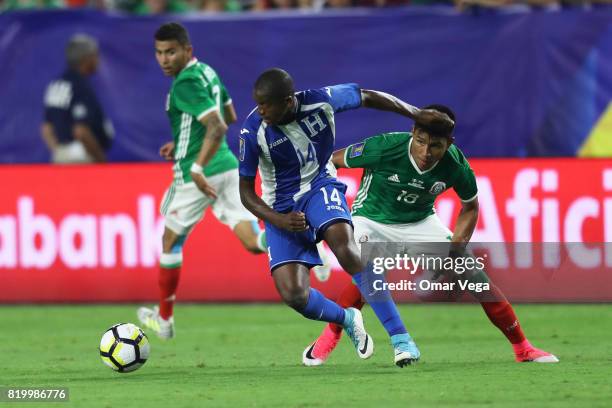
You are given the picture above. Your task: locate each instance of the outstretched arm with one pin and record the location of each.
(338, 158)
(387, 102)
(293, 221)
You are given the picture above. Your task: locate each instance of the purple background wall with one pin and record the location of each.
(527, 84)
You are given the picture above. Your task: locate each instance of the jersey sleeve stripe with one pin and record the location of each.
(469, 199)
(346, 151)
(206, 112)
(228, 102)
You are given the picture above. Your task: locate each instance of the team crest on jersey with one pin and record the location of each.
(357, 150)
(242, 149)
(363, 238)
(437, 187)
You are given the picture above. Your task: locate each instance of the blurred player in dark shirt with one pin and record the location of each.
(75, 128)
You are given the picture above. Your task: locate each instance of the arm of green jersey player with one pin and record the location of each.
(465, 225)
(437, 121)
(229, 113)
(467, 190)
(294, 221)
(215, 130)
(365, 154)
(193, 97)
(338, 158)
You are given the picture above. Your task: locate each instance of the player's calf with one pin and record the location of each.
(292, 283)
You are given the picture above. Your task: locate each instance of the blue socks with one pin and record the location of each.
(321, 308)
(384, 307)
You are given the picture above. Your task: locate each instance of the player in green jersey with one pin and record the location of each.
(404, 172)
(205, 170)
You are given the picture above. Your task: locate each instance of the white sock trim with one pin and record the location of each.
(171, 259)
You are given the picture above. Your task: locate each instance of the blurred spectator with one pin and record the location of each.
(161, 6)
(147, 7)
(429, 2)
(338, 3)
(549, 4)
(31, 4)
(260, 5)
(393, 3)
(74, 127)
(215, 6)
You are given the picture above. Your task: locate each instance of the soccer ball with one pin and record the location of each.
(124, 347)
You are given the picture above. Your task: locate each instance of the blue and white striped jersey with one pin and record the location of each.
(294, 159)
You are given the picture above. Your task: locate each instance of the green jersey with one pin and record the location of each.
(394, 190)
(196, 91)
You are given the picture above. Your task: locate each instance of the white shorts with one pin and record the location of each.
(71, 153)
(418, 234)
(430, 229)
(184, 205)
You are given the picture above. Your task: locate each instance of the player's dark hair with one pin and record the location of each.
(173, 31)
(437, 132)
(275, 84)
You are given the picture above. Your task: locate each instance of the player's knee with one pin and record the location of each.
(295, 297)
(349, 260)
(251, 246)
(249, 234)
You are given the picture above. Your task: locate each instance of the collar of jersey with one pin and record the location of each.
(416, 167)
(298, 105)
(191, 63)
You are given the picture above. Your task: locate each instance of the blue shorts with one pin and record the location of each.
(322, 207)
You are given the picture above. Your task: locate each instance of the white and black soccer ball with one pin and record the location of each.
(124, 347)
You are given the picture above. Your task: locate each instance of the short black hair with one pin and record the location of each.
(173, 31)
(275, 83)
(435, 131)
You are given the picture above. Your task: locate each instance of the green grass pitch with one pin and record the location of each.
(250, 356)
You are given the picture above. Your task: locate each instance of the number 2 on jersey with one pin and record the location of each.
(216, 90)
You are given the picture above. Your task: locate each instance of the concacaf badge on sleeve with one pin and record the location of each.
(357, 150)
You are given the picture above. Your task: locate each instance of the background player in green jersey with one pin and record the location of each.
(403, 175)
(205, 170)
